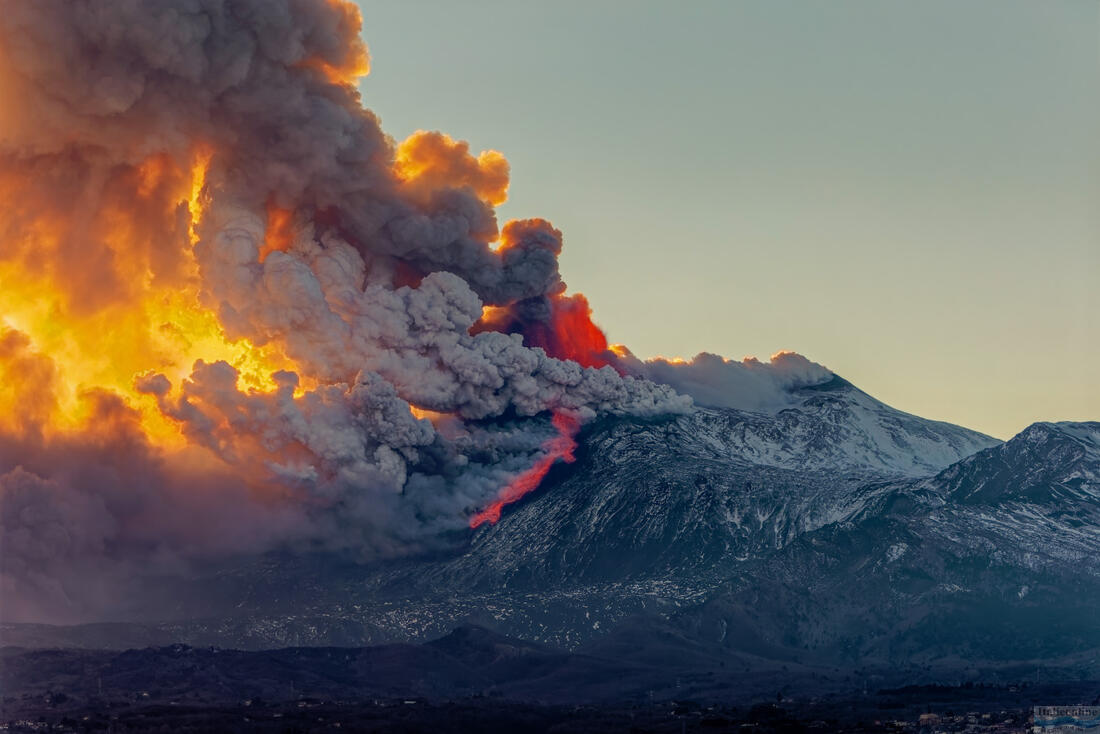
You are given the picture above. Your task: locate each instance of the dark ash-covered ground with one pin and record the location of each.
(475, 680)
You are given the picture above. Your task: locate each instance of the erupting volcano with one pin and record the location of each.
(236, 316)
(296, 427)
(219, 272)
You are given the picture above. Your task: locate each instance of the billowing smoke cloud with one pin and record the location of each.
(83, 514)
(346, 468)
(236, 316)
(718, 382)
(239, 316)
(268, 87)
(314, 299)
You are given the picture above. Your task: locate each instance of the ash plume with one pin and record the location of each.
(715, 381)
(238, 316)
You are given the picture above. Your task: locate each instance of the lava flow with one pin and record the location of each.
(559, 447)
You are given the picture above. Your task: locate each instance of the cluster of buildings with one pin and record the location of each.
(1003, 722)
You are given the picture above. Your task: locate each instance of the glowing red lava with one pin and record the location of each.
(558, 447)
(571, 333)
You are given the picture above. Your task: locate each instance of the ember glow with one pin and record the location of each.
(571, 334)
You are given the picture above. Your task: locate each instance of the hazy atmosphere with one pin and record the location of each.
(904, 192)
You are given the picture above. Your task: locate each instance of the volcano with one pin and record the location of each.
(271, 378)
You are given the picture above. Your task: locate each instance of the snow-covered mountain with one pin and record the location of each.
(995, 558)
(835, 530)
(1047, 463)
(679, 501)
(832, 426)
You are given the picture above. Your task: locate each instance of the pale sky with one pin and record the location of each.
(908, 193)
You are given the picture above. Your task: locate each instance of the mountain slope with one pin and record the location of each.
(833, 531)
(996, 558)
(1045, 463)
(835, 425)
(682, 500)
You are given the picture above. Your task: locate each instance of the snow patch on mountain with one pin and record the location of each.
(835, 426)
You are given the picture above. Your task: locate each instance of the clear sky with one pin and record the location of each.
(908, 193)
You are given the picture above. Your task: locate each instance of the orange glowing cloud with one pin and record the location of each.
(108, 289)
(427, 161)
(279, 234)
